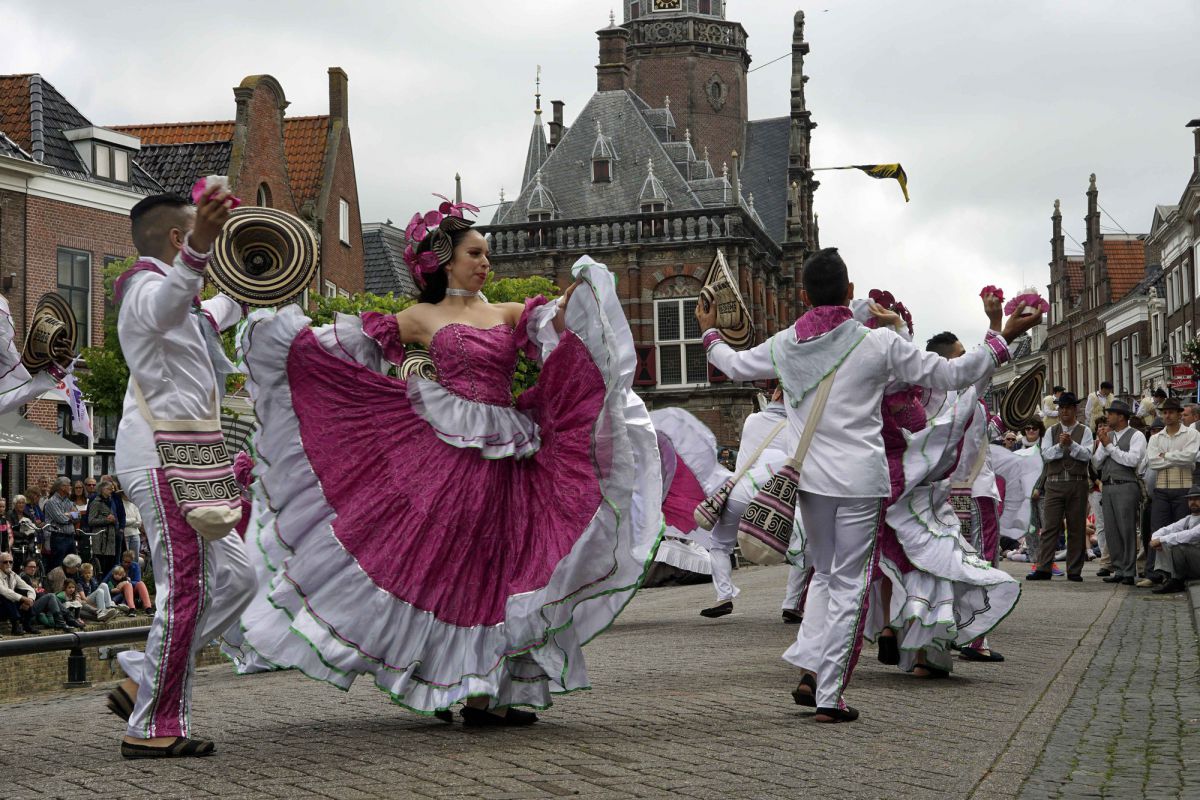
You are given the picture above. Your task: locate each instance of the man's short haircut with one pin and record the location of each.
(153, 217)
(942, 344)
(825, 278)
(1106, 384)
(60, 481)
(1058, 389)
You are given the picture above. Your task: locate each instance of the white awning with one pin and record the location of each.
(19, 435)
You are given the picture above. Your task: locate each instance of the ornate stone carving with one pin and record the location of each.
(716, 91)
(678, 286)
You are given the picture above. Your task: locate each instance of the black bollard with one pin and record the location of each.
(77, 668)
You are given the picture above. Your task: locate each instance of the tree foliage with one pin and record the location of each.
(104, 380)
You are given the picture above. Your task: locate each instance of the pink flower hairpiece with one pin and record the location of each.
(420, 227)
(989, 289)
(203, 186)
(1031, 300)
(885, 299)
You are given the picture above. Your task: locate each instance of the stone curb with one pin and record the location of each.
(1193, 591)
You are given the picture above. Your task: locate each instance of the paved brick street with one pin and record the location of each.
(695, 708)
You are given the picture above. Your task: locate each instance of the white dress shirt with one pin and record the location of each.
(1185, 531)
(1052, 450)
(1180, 450)
(758, 426)
(168, 355)
(1131, 458)
(846, 457)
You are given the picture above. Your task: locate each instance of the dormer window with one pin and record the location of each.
(651, 208)
(106, 154)
(603, 155)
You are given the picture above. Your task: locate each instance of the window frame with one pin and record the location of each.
(85, 324)
(343, 221)
(680, 344)
(329, 290)
(607, 176)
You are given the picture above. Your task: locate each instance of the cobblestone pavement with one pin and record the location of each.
(683, 707)
(1132, 730)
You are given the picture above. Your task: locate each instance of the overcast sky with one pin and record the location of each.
(994, 108)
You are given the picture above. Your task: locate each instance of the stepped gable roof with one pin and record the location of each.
(1126, 257)
(33, 115)
(763, 172)
(567, 171)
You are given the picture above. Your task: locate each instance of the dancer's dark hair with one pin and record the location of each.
(825, 278)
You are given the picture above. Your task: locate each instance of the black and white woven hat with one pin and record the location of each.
(263, 256)
(52, 332)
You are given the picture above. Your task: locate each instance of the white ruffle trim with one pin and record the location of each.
(684, 555)
(334, 630)
(496, 431)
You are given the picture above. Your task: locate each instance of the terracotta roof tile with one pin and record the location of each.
(179, 132)
(14, 109)
(1126, 264)
(304, 146)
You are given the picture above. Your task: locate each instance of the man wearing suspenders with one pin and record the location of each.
(1066, 450)
(1119, 451)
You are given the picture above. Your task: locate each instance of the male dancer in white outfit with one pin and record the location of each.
(174, 354)
(17, 386)
(845, 477)
(755, 430)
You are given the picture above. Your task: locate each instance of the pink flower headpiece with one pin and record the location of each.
(884, 298)
(435, 225)
(1032, 301)
(203, 186)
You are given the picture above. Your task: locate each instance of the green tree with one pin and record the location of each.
(516, 290)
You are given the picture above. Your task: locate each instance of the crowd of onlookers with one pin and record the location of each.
(1127, 475)
(70, 553)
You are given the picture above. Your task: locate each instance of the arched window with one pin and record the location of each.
(264, 195)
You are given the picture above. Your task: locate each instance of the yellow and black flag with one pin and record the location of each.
(887, 171)
(880, 171)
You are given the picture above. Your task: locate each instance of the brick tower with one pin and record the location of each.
(688, 51)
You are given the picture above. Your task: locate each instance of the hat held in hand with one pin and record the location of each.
(51, 337)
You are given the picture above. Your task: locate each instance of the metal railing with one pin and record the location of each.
(75, 642)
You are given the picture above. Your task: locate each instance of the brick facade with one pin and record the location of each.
(342, 262)
(258, 156)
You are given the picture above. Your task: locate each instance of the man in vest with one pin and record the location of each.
(1171, 456)
(1066, 451)
(1048, 410)
(1098, 403)
(1118, 453)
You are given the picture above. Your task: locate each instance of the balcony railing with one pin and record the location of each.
(664, 227)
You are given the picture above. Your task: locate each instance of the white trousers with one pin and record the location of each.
(724, 539)
(795, 589)
(841, 546)
(200, 587)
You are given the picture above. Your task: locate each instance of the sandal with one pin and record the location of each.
(808, 698)
(846, 714)
(182, 747)
(932, 673)
(120, 703)
(889, 650)
(482, 718)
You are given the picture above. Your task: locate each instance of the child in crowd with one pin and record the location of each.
(72, 604)
(121, 589)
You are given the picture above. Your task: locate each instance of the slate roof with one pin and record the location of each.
(567, 171)
(383, 258)
(178, 166)
(1126, 263)
(763, 172)
(304, 140)
(539, 149)
(33, 114)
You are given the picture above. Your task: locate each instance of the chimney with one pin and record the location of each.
(339, 95)
(556, 123)
(612, 73)
(1195, 126)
